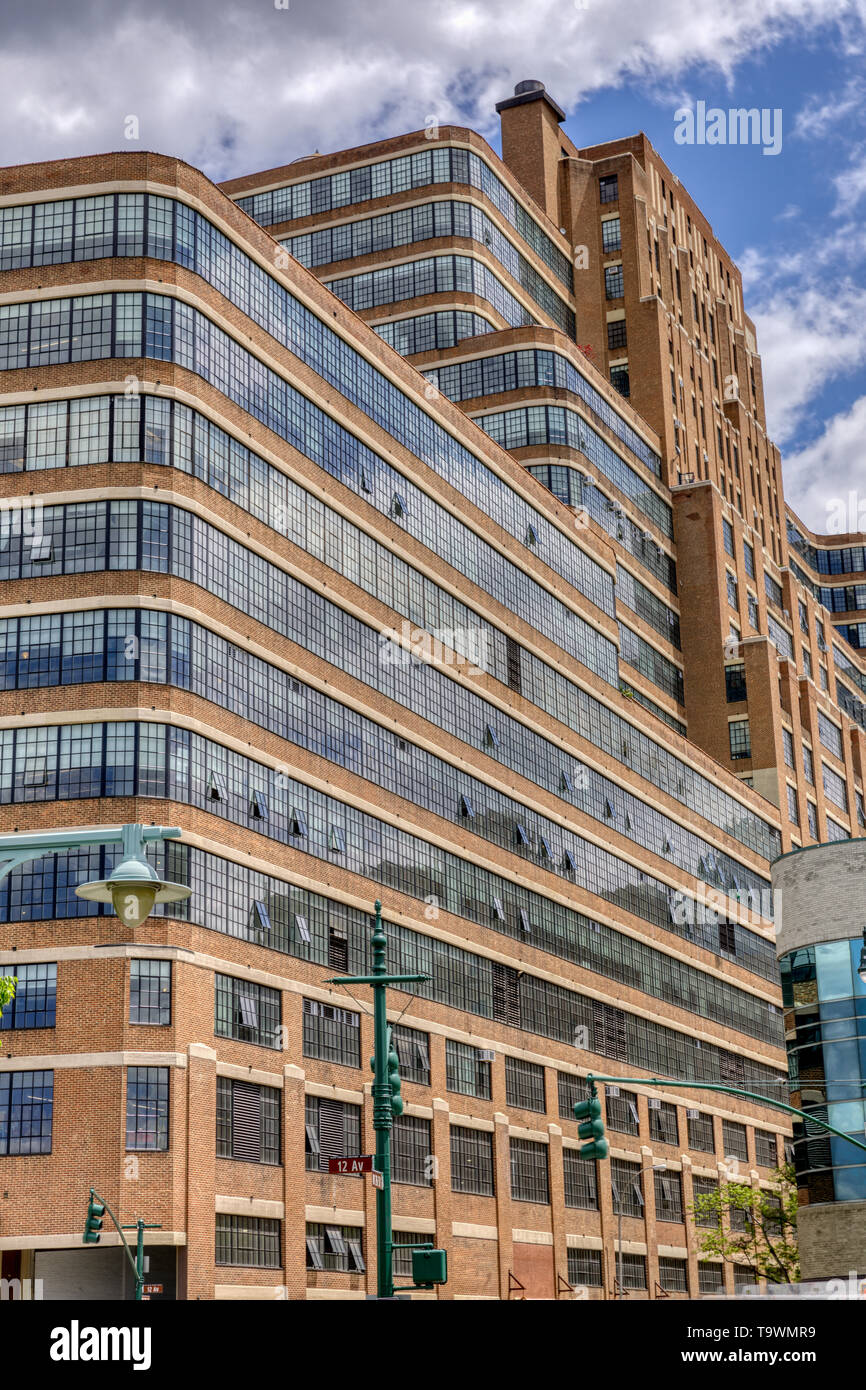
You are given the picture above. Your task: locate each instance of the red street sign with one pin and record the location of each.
(360, 1163)
(148, 1289)
(378, 1180)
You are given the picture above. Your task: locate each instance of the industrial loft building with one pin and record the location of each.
(399, 523)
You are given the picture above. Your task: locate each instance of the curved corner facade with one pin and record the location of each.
(382, 588)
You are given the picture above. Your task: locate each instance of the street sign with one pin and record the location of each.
(148, 1289)
(378, 1180)
(359, 1163)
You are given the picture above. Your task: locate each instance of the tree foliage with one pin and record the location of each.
(767, 1244)
(7, 992)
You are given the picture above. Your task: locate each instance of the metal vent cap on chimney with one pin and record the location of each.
(527, 91)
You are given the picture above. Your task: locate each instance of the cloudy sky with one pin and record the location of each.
(236, 87)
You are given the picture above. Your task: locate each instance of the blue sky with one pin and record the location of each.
(239, 85)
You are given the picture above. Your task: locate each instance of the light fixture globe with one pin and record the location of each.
(133, 887)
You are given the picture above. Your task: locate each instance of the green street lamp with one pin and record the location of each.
(133, 887)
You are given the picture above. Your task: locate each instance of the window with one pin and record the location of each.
(250, 1241)
(465, 1072)
(150, 991)
(669, 1196)
(749, 558)
(752, 605)
(247, 1011)
(663, 1122)
(332, 1034)
(808, 765)
(581, 1181)
(611, 239)
(705, 1187)
(812, 813)
(584, 1268)
(788, 747)
(793, 804)
(744, 1278)
(710, 1278)
(732, 590)
(673, 1274)
(622, 1112)
(700, 1131)
(529, 1177)
(216, 786)
(26, 1111)
(734, 1140)
(735, 682)
(765, 1148)
(248, 1121)
(835, 787)
(335, 1247)
(613, 282)
(619, 379)
(35, 1001)
(524, 1084)
(740, 738)
(411, 1151)
(616, 334)
(147, 1107)
(413, 1050)
(332, 1130)
(608, 188)
(625, 1182)
(633, 1271)
(472, 1161)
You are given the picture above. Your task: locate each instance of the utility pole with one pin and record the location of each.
(387, 1101)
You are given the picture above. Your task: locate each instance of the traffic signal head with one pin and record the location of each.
(395, 1083)
(93, 1224)
(588, 1112)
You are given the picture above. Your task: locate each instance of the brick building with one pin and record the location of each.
(419, 546)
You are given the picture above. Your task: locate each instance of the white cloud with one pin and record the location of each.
(807, 337)
(237, 87)
(820, 478)
(850, 187)
(819, 117)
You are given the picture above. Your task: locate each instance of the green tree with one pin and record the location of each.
(767, 1242)
(7, 992)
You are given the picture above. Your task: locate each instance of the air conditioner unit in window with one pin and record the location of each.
(693, 1114)
(485, 1054)
(654, 1104)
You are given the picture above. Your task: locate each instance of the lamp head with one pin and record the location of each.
(133, 888)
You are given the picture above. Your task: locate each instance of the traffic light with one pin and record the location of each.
(592, 1127)
(93, 1224)
(394, 1080)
